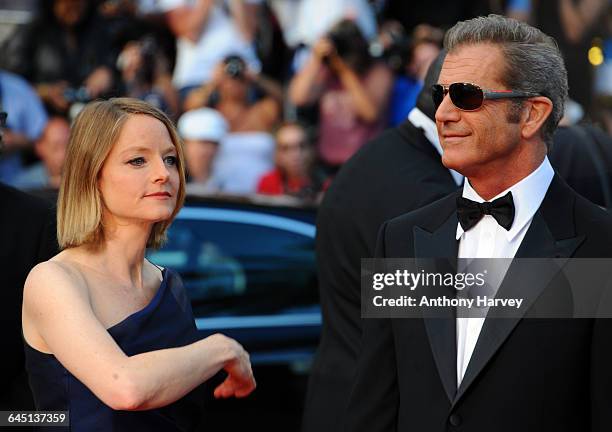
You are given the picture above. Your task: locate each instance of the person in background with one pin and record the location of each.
(247, 152)
(293, 160)
(51, 149)
(27, 230)
(25, 123)
(208, 31)
(424, 48)
(65, 53)
(351, 90)
(405, 163)
(574, 24)
(202, 131)
(140, 72)
(108, 334)
(229, 91)
(303, 22)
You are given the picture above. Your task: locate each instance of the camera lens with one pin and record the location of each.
(234, 68)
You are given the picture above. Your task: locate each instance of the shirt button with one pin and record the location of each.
(455, 419)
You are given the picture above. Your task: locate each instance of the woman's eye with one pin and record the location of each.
(170, 160)
(139, 161)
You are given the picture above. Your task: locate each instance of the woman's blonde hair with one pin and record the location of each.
(94, 132)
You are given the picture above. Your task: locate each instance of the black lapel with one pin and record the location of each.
(550, 235)
(441, 329)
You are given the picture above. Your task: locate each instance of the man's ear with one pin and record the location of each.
(538, 110)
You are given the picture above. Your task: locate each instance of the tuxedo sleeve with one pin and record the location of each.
(374, 398)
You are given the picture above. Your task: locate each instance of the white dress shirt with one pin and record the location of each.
(487, 239)
(420, 120)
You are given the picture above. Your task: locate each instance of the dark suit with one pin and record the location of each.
(582, 155)
(524, 374)
(397, 172)
(27, 233)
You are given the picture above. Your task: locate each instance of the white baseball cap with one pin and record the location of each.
(205, 124)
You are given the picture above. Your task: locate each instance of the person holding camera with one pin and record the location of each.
(351, 89)
(206, 32)
(247, 151)
(143, 75)
(229, 91)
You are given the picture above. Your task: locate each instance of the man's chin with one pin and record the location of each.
(451, 162)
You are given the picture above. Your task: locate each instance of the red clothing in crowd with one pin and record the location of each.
(273, 183)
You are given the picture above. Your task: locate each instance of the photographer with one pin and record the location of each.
(351, 89)
(418, 52)
(228, 92)
(143, 76)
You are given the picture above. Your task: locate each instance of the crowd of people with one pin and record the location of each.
(242, 78)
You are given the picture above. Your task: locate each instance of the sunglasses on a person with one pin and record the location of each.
(470, 97)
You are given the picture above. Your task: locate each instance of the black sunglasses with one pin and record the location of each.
(470, 97)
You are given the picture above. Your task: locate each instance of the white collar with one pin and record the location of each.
(527, 195)
(420, 120)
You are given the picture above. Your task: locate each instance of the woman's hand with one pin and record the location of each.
(240, 381)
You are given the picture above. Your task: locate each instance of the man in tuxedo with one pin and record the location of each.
(499, 99)
(399, 171)
(27, 233)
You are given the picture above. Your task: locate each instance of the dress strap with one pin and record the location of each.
(158, 267)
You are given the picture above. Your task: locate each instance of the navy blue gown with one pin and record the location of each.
(166, 322)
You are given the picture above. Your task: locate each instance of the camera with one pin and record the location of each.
(234, 67)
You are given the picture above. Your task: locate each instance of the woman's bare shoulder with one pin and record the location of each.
(60, 272)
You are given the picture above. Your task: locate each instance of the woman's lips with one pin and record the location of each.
(159, 195)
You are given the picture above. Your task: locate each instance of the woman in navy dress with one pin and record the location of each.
(109, 336)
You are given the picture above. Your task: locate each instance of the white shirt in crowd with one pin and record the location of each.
(420, 120)
(220, 38)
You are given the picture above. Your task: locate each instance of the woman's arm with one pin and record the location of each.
(267, 85)
(370, 100)
(308, 84)
(245, 17)
(188, 22)
(58, 318)
(199, 97)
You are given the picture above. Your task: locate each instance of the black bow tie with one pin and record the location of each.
(470, 212)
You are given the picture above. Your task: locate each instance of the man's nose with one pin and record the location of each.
(447, 112)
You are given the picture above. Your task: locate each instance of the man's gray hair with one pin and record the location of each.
(533, 61)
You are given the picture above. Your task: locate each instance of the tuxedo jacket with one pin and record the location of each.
(27, 237)
(525, 374)
(582, 155)
(397, 172)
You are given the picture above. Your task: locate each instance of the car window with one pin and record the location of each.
(251, 264)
